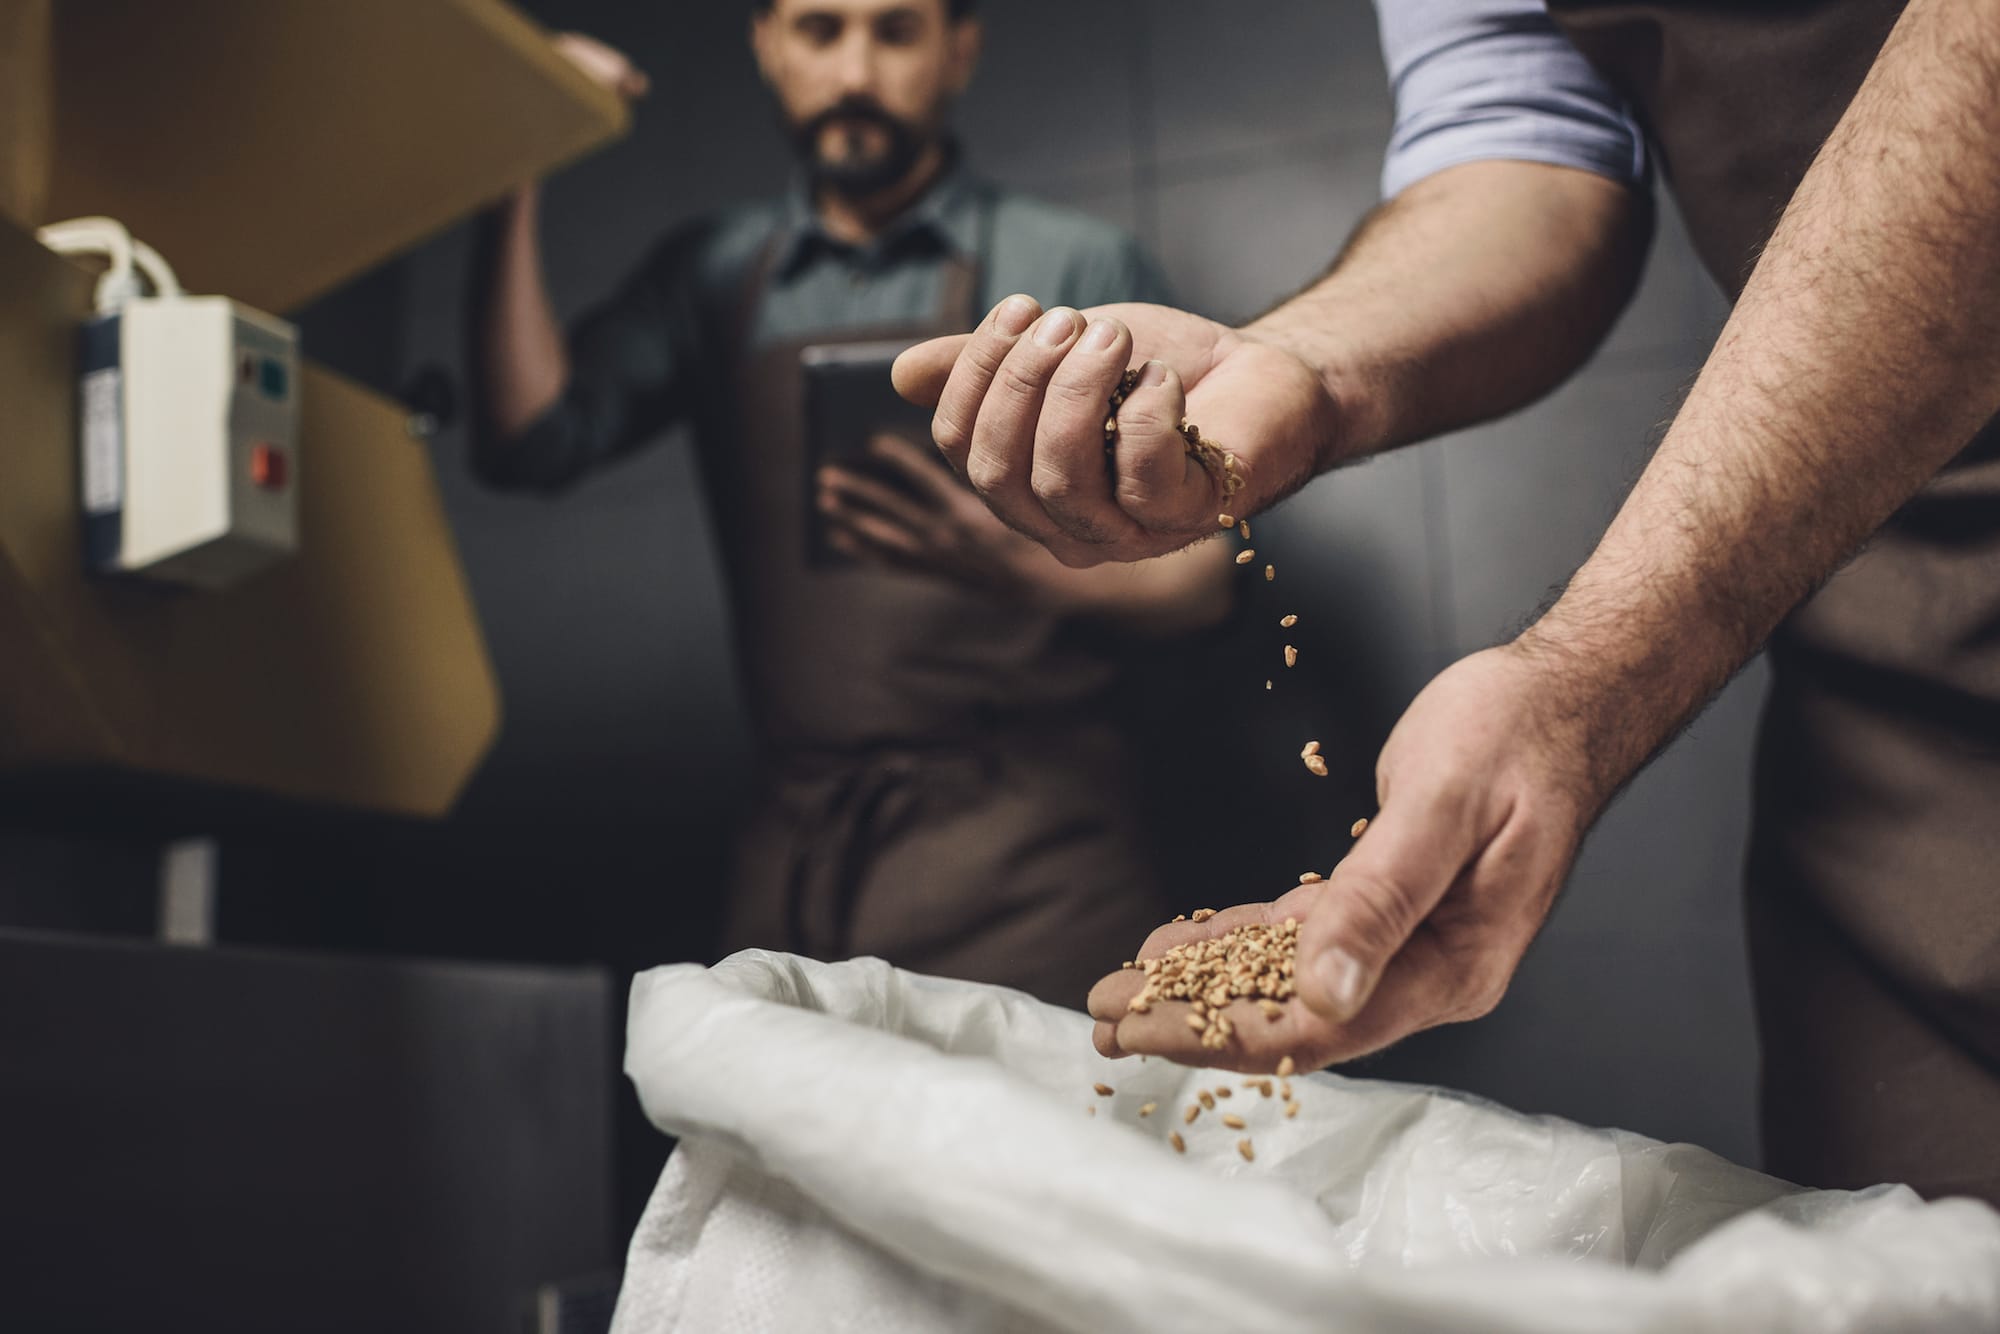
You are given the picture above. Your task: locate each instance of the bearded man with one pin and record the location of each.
(937, 786)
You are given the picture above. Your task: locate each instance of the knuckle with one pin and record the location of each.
(987, 472)
(1148, 414)
(946, 431)
(1152, 501)
(1019, 380)
(1076, 393)
(1054, 485)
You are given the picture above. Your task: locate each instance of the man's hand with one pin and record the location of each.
(930, 524)
(606, 66)
(1485, 793)
(1022, 402)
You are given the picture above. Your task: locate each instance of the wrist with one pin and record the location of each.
(1356, 398)
(1618, 676)
(520, 207)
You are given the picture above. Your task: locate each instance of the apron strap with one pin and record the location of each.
(750, 297)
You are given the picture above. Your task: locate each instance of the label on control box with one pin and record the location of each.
(103, 442)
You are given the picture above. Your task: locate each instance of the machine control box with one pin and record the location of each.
(188, 434)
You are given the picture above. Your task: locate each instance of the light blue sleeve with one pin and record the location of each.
(1481, 79)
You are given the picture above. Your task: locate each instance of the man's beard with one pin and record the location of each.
(858, 177)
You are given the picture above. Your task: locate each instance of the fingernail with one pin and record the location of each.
(1099, 336)
(1152, 374)
(1015, 314)
(1056, 327)
(1341, 976)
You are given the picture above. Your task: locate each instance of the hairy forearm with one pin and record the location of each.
(1864, 353)
(1470, 294)
(524, 364)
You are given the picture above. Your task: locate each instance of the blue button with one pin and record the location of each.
(271, 378)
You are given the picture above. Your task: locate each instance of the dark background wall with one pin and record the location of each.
(1241, 143)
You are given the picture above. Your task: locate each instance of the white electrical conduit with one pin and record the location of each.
(107, 236)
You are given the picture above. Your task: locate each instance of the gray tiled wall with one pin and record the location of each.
(1241, 141)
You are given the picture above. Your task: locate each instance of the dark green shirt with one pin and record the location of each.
(658, 352)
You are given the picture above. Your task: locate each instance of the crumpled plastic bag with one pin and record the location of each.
(868, 1149)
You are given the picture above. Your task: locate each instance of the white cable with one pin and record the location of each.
(157, 270)
(107, 236)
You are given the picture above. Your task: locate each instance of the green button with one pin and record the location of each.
(271, 378)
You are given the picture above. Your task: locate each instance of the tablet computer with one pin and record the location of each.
(848, 401)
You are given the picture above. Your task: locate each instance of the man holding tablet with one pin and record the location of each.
(938, 788)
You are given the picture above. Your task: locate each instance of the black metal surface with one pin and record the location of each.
(226, 1140)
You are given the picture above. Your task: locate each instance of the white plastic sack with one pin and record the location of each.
(867, 1149)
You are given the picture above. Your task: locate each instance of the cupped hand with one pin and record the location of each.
(1486, 786)
(1021, 405)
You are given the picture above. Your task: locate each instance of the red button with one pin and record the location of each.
(267, 467)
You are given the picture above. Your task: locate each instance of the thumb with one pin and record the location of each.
(1375, 899)
(920, 372)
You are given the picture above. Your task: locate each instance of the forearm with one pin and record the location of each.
(523, 361)
(1175, 594)
(1470, 294)
(1864, 353)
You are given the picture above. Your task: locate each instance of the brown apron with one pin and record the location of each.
(935, 787)
(1874, 869)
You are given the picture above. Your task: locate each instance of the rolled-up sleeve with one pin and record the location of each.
(1475, 80)
(629, 368)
